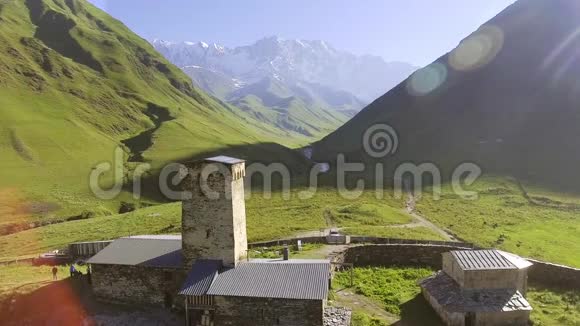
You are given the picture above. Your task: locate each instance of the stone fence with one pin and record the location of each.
(426, 255)
(541, 273)
(360, 240)
(553, 275)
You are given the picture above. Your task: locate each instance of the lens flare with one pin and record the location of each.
(478, 49)
(428, 79)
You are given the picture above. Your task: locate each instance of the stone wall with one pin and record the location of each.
(511, 318)
(554, 275)
(541, 273)
(137, 284)
(395, 254)
(238, 311)
(214, 217)
(450, 318)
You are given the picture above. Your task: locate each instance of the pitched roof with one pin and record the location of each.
(275, 279)
(482, 260)
(152, 251)
(224, 160)
(450, 295)
(518, 261)
(200, 277)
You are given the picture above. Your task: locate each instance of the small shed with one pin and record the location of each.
(480, 287)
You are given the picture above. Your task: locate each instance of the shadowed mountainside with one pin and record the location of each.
(506, 98)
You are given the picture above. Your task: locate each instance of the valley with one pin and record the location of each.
(78, 86)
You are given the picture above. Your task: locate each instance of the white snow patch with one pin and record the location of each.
(301, 43)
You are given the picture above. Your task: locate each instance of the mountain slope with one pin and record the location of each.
(76, 83)
(506, 98)
(287, 66)
(272, 102)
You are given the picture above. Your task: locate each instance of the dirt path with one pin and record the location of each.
(410, 208)
(346, 297)
(422, 221)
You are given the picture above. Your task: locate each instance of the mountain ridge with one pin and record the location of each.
(492, 100)
(293, 60)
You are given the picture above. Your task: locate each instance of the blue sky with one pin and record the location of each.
(414, 31)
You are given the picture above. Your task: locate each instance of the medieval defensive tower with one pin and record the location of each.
(213, 216)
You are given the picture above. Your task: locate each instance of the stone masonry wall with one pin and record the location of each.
(238, 311)
(547, 274)
(136, 284)
(239, 213)
(554, 275)
(213, 219)
(390, 255)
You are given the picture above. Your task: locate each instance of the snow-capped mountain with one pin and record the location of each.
(291, 62)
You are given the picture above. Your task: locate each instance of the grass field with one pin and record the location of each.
(23, 278)
(503, 218)
(393, 287)
(267, 219)
(554, 307)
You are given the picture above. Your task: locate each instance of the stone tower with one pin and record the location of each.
(213, 218)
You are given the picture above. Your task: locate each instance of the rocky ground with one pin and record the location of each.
(337, 316)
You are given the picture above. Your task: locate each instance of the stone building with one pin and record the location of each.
(205, 270)
(480, 288)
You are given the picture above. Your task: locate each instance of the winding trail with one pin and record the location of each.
(420, 221)
(410, 208)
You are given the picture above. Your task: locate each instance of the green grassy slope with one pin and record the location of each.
(503, 218)
(268, 219)
(75, 83)
(289, 110)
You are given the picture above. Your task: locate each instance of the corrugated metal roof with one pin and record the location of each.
(157, 237)
(449, 295)
(290, 261)
(518, 261)
(142, 251)
(200, 278)
(307, 281)
(224, 160)
(481, 260)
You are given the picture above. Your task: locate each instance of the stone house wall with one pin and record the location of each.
(485, 279)
(239, 216)
(137, 284)
(243, 311)
(505, 318)
(450, 318)
(214, 218)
